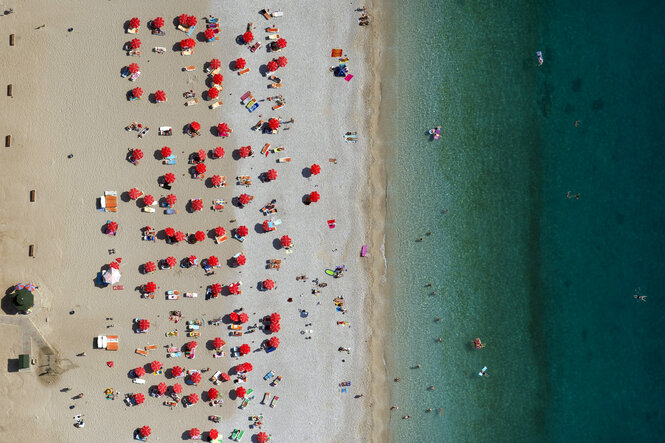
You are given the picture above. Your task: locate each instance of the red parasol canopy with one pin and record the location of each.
(179, 236)
(177, 388)
(216, 180)
(140, 398)
(134, 23)
(273, 123)
(243, 199)
(135, 43)
(243, 317)
(145, 431)
(139, 372)
(273, 342)
(171, 199)
(213, 261)
(111, 226)
(248, 36)
(176, 371)
(150, 287)
(240, 63)
(217, 79)
(212, 394)
(115, 265)
(137, 92)
(272, 66)
(281, 61)
(187, 43)
(192, 259)
(194, 433)
(275, 317)
(171, 262)
(240, 392)
(274, 327)
(268, 284)
(193, 398)
(191, 21)
(209, 34)
(217, 343)
(133, 68)
(213, 93)
(233, 316)
(169, 177)
(165, 151)
(218, 152)
(137, 154)
(245, 151)
(285, 241)
(315, 169)
(161, 388)
(266, 225)
(234, 289)
(148, 200)
(197, 204)
(241, 259)
(192, 345)
(216, 288)
(281, 43)
(219, 231)
(160, 96)
(195, 377)
(150, 266)
(271, 174)
(201, 168)
(314, 197)
(144, 324)
(199, 235)
(215, 63)
(213, 434)
(134, 193)
(158, 22)
(155, 366)
(247, 367)
(201, 155)
(262, 437)
(222, 129)
(183, 19)
(170, 232)
(225, 376)
(195, 126)
(244, 349)
(242, 230)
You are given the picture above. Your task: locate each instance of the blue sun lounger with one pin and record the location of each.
(253, 108)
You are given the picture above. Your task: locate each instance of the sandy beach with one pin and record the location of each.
(69, 98)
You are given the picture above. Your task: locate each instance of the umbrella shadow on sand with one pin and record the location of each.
(263, 70)
(277, 244)
(176, 47)
(124, 196)
(240, 40)
(6, 303)
(125, 26)
(306, 172)
(258, 228)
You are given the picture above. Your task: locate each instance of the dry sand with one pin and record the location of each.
(69, 98)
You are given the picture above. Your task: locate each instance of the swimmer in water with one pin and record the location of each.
(640, 297)
(571, 195)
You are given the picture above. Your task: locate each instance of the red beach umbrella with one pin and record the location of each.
(281, 43)
(245, 151)
(273, 342)
(148, 200)
(244, 199)
(195, 126)
(195, 378)
(274, 327)
(281, 61)
(218, 152)
(241, 260)
(314, 197)
(266, 225)
(247, 367)
(133, 68)
(191, 21)
(194, 433)
(248, 36)
(244, 349)
(137, 154)
(225, 376)
(262, 437)
(213, 261)
(275, 317)
(179, 236)
(285, 241)
(240, 63)
(165, 151)
(183, 19)
(139, 372)
(155, 366)
(273, 123)
(272, 66)
(135, 43)
(243, 317)
(215, 64)
(213, 93)
(134, 23)
(112, 226)
(240, 392)
(315, 169)
(140, 398)
(160, 96)
(144, 325)
(233, 316)
(158, 22)
(145, 431)
(199, 235)
(197, 204)
(234, 289)
(176, 371)
(115, 265)
(271, 175)
(171, 199)
(171, 262)
(170, 232)
(216, 180)
(217, 343)
(169, 177)
(192, 345)
(134, 193)
(217, 79)
(192, 260)
(150, 266)
(161, 388)
(219, 231)
(213, 434)
(177, 388)
(149, 287)
(193, 398)
(222, 129)
(216, 288)
(213, 394)
(137, 92)
(209, 34)
(242, 230)
(268, 284)
(201, 168)
(201, 155)
(187, 43)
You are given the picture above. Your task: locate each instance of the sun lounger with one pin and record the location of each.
(189, 68)
(192, 102)
(283, 159)
(159, 49)
(165, 130)
(182, 28)
(275, 85)
(151, 348)
(253, 108)
(190, 31)
(245, 96)
(265, 13)
(279, 105)
(133, 31)
(216, 105)
(272, 29)
(135, 75)
(273, 36)
(256, 46)
(244, 71)
(134, 52)
(141, 351)
(170, 161)
(274, 401)
(143, 132)
(148, 209)
(234, 434)
(240, 434)
(170, 211)
(218, 87)
(265, 148)
(258, 126)
(186, 52)
(275, 263)
(215, 71)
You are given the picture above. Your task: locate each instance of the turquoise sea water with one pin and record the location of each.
(546, 281)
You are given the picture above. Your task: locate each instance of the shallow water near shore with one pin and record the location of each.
(546, 281)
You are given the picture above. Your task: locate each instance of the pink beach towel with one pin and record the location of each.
(348, 78)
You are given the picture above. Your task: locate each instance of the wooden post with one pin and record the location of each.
(8, 141)
(10, 90)
(31, 250)
(11, 39)
(32, 195)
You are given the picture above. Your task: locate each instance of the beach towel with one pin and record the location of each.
(336, 53)
(348, 78)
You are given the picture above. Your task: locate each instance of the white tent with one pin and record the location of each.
(112, 276)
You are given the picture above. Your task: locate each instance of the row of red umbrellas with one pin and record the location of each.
(239, 318)
(279, 62)
(187, 21)
(213, 434)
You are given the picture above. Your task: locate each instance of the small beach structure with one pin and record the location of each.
(23, 298)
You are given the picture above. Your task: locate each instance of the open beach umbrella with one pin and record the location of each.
(148, 200)
(234, 289)
(192, 260)
(285, 241)
(112, 276)
(243, 199)
(242, 230)
(179, 236)
(266, 225)
(274, 327)
(241, 259)
(177, 388)
(213, 93)
(216, 288)
(111, 227)
(213, 261)
(155, 366)
(145, 431)
(150, 266)
(171, 199)
(201, 155)
(215, 64)
(315, 169)
(216, 181)
(135, 43)
(158, 22)
(209, 34)
(201, 168)
(176, 371)
(268, 284)
(161, 388)
(218, 152)
(170, 232)
(223, 129)
(271, 175)
(314, 197)
(150, 287)
(199, 235)
(160, 96)
(219, 231)
(193, 398)
(217, 343)
(171, 262)
(165, 151)
(273, 123)
(272, 66)
(247, 367)
(191, 21)
(144, 324)
(195, 377)
(248, 37)
(213, 434)
(212, 394)
(169, 177)
(197, 204)
(134, 23)
(233, 316)
(281, 61)
(245, 151)
(262, 437)
(187, 43)
(281, 43)
(140, 398)
(134, 193)
(194, 433)
(137, 92)
(275, 317)
(137, 154)
(192, 345)
(182, 19)
(240, 63)
(273, 342)
(243, 317)
(195, 126)
(133, 68)
(244, 349)
(139, 372)
(114, 265)
(217, 79)
(240, 392)
(224, 376)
